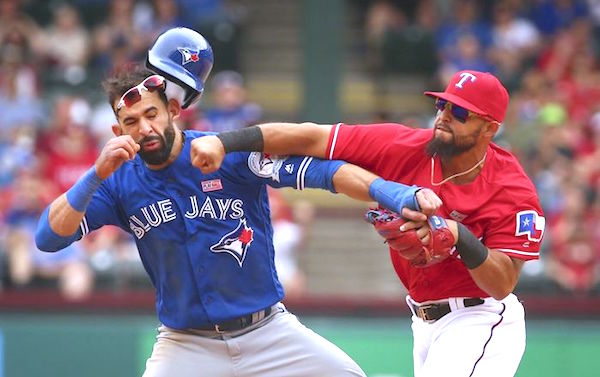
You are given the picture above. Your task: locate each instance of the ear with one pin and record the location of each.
(490, 129)
(174, 108)
(117, 130)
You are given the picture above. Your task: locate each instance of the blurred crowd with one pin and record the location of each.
(55, 119)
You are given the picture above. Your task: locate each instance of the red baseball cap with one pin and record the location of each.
(479, 92)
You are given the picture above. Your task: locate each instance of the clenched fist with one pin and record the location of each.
(207, 153)
(115, 152)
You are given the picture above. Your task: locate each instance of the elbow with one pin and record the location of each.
(42, 244)
(500, 293)
(48, 241)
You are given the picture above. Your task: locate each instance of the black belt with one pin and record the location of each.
(433, 312)
(237, 323)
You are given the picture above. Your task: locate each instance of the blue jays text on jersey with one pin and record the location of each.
(204, 239)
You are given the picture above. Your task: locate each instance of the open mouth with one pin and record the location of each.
(151, 145)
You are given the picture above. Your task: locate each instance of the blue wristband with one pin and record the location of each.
(394, 196)
(80, 195)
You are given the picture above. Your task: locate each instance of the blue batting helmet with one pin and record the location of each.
(184, 57)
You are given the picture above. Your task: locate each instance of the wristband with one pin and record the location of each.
(244, 140)
(80, 195)
(472, 252)
(394, 196)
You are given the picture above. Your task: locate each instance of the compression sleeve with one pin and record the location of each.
(319, 173)
(80, 195)
(47, 240)
(299, 172)
(394, 196)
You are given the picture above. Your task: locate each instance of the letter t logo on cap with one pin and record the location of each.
(464, 76)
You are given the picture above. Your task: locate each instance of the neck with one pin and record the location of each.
(464, 162)
(175, 151)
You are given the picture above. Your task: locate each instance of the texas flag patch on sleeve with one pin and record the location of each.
(531, 224)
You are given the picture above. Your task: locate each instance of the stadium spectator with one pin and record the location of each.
(64, 46)
(288, 238)
(575, 257)
(67, 149)
(28, 267)
(231, 109)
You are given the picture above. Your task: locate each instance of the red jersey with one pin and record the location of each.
(500, 206)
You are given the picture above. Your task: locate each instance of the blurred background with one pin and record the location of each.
(88, 310)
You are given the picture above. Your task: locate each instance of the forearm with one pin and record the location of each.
(59, 222)
(63, 218)
(305, 139)
(497, 275)
(493, 271)
(57, 227)
(361, 184)
(354, 182)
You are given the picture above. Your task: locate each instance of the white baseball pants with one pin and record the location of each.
(277, 346)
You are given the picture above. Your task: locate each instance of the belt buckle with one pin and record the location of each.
(218, 330)
(421, 312)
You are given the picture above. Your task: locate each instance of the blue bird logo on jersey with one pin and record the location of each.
(236, 242)
(531, 224)
(188, 55)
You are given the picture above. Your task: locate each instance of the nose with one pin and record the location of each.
(145, 127)
(446, 114)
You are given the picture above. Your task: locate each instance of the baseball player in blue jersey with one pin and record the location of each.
(205, 240)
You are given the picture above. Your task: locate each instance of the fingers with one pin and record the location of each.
(420, 228)
(410, 225)
(428, 201)
(204, 164)
(131, 147)
(413, 215)
(207, 153)
(124, 143)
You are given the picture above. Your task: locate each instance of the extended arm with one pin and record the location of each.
(302, 139)
(361, 184)
(307, 139)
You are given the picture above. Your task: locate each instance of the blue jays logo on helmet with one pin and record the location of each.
(236, 242)
(183, 56)
(188, 55)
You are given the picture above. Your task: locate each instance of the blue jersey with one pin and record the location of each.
(204, 239)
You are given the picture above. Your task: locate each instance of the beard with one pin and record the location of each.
(160, 155)
(453, 148)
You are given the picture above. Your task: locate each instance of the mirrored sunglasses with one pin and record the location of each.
(459, 113)
(134, 95)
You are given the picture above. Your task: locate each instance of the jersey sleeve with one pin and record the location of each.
(518, 232)
(102, 210)
(298, 172)
(373, 146)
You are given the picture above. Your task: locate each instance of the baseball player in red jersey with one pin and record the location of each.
(466, 320)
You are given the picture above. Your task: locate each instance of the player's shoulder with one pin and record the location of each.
(393, 133)
(507, 172)
(123, 176)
